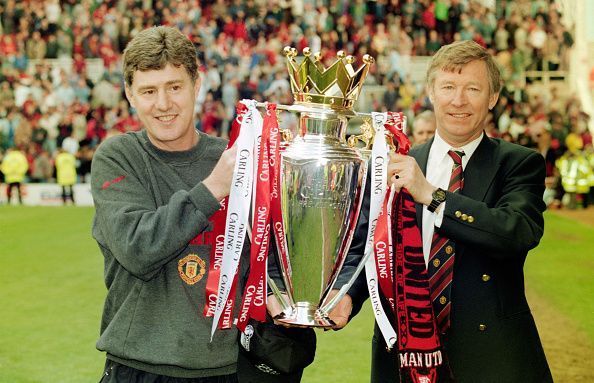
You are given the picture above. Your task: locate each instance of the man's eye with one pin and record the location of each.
(474, 89)
(148, 91)
(175, 88)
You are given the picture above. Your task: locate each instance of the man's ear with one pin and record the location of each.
(129, 96)
(493, 100)
(429, 91)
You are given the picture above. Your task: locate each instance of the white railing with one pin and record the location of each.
(95, 67)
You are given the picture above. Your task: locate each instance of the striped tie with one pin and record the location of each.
(441, 257)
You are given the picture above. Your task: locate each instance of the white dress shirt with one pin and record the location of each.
(439, 170)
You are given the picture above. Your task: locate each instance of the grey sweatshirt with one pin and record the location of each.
(150, 204)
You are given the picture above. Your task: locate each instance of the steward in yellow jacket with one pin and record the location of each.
(66, 174)
(14, 167)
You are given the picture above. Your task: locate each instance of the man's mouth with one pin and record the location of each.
(166, 118)
(460, 115)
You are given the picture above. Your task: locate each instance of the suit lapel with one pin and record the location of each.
(480, 170)
(478, 174)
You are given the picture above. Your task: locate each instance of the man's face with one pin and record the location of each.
(164, 100)
(423, 130)
(461, 102)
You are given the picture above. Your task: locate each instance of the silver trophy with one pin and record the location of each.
(321, 185)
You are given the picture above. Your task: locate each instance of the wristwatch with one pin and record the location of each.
(439, 196)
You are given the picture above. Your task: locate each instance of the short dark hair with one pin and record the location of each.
(154, 48)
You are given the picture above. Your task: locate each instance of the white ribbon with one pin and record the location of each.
(240, 198)
(379, 181)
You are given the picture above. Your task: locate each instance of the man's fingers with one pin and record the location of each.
(340, 314)
(273, 306)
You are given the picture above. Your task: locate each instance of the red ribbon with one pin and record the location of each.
(254, 296)
(384, 255)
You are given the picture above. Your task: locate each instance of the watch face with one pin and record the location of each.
(439, 195)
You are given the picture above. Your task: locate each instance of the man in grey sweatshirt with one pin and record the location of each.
(154, 192)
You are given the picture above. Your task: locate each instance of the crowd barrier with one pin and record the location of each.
(48, 195)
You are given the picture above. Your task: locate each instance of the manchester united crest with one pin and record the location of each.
(191, 268)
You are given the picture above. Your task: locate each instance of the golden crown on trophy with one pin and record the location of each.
(336, 87)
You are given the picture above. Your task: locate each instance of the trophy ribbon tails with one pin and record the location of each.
(238, 208)
(254, 298)
(379, 171)
(218, 221)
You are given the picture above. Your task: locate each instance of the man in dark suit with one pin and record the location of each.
(492, 220)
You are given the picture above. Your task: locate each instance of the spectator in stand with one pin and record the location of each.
(70, 144)
(391, 95)
(213, 113)
(64, 92)
(82, 92)
(105, 94)
(6, 94)
(42, 169)
(230, 97)
(433, 44)
(423, 127)
(279, 86)
(36, 47)
(14, 167)
(126, 122)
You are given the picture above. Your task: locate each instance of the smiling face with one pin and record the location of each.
(164, 100)
(462, 100)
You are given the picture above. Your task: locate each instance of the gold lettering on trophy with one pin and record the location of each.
(318, 203)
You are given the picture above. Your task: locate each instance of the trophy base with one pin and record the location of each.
(304, 314)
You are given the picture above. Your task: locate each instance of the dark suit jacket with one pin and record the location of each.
(495, 220)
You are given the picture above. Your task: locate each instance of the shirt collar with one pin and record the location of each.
(439, 148)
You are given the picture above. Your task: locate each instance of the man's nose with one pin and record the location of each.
(163, 100)
(460, 97)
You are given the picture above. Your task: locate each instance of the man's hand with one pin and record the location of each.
(219, 180)
(404, 172)
(341, 313)
(273, 306)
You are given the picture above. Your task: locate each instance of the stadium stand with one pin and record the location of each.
(61, 84)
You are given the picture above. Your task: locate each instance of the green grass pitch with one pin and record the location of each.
(51, 297)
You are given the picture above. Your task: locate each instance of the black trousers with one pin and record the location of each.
(11, 186)
(67, 193)
(118, 373)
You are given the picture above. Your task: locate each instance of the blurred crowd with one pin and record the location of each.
(52, 98)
